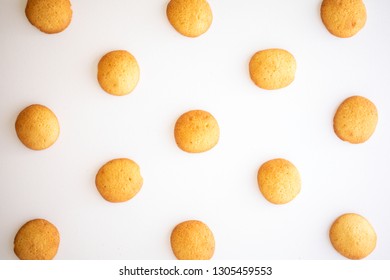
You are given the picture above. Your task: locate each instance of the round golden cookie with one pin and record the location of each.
(279, 181)
(49, 16)
(343, 18)
(355, 119)
(352, 236)
(192, 240)
(37, 127)
(37, 240)
(118, 72)
(196, 131)
(272, 68)
(119, 180)
(190, 18)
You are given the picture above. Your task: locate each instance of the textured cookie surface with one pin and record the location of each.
(37, 240)
(272, 68)
(355, 119)
(191, 18)
(196, 131)
(119, 180)
(49, 16)
(343, 18)
(192, 240)
(279, 181)
(37, 127)
(118, 72)
(352, 236)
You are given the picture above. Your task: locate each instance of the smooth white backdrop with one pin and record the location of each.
(178, 74)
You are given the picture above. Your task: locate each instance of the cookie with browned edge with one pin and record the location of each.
(272, 68)
(37, 240)
(190, 18)
(118, 72)
(49, 16)
(37, 127)
(355, 120)
(279, 181)
(353, 236)
(343, 18)
(192, 240)
(119, 180)
(196, 131)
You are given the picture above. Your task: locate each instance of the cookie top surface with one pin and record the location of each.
(192, 240)
(343, 18)
(279, 181)
(272, 68)
(196, 131)
(118, 72)
(355, 119)
(49, 16)
(37, 127)
(352, 236)
(190, 18)
(37, 240)
(119, 180)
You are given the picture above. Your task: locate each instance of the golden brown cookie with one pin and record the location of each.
(352, 236)
(190, 18)
(119, 180)
(279, 181)
(355, 119)
(37, 127)
(196, 131)
(49, 16)
(343, 18)
(272, 68)
(192, 240)
(118, 72)
(37, 240)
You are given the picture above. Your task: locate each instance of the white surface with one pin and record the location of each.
(210, 72)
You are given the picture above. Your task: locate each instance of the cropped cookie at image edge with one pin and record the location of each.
(118, 72)
(353, 236)
(272, 69)
(49, 16)
(190, 18)
(192, 240)
(119, 180)
(37, 240)
(196, 131)
(343, 18)
(37, 127)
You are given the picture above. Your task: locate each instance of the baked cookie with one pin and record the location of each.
(196, 131)
(355, 120)
(192, 240)
(343, 18)
(37, 127)
(37, 240)
(279, 181)
(272, 68)
(118, 72)
(49, 16)
(119, 180)
(190, 18)
(352, 236)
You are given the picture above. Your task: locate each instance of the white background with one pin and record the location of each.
(178, 74)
